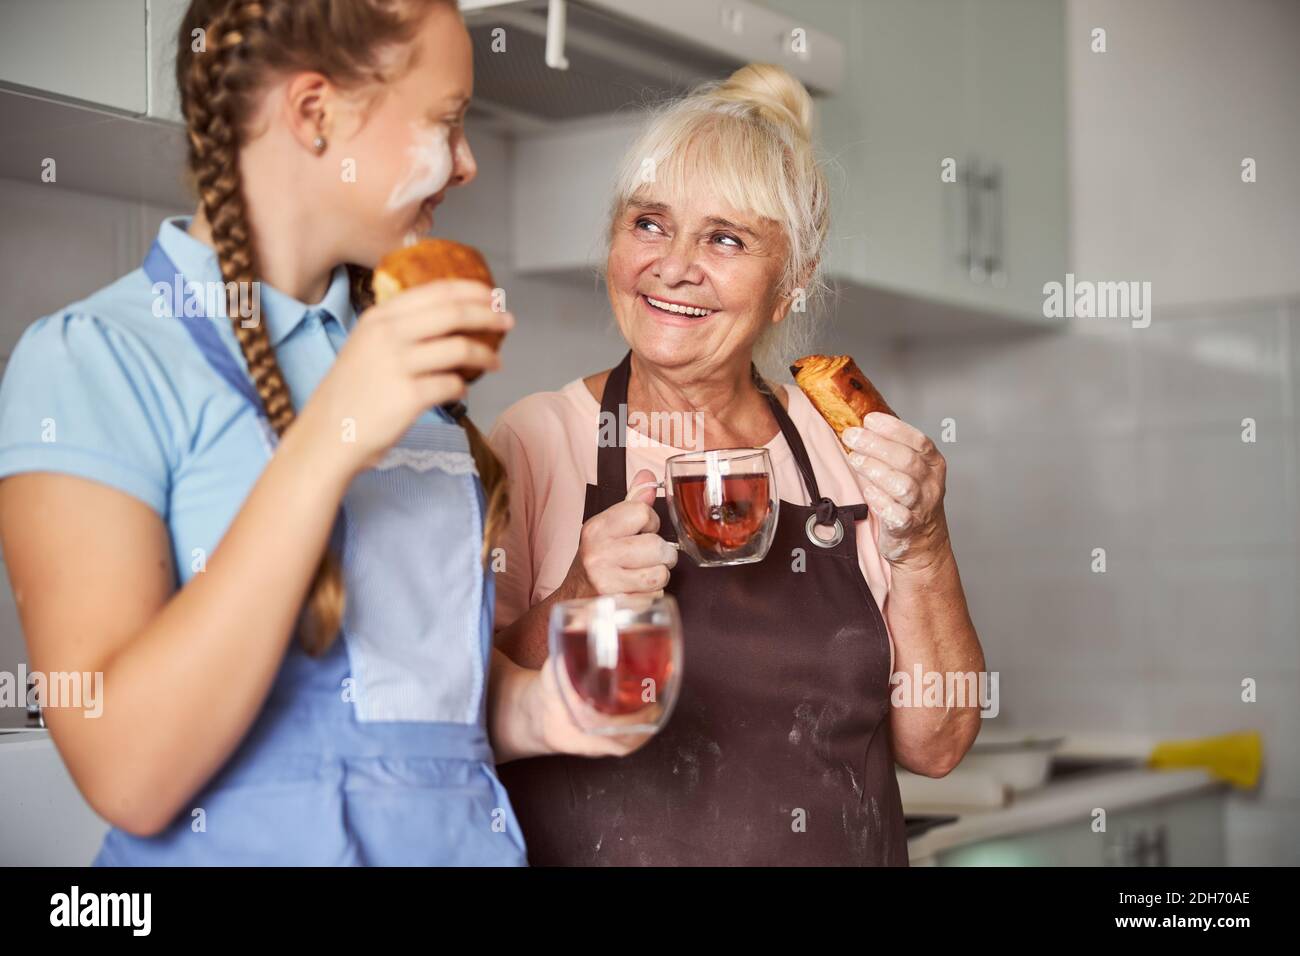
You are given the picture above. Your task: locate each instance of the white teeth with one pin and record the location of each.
(679, 309)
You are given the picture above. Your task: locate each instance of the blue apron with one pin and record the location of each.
(375, 753)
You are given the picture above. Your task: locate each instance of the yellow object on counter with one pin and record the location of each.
(1236, 758)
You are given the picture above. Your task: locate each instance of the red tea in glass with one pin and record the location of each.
(723, 504)
(618, 661)
(724, 519)
(641, 667)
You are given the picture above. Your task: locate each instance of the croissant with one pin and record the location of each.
(838, 390)
(432, 259)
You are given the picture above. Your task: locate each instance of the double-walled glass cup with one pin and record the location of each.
(618, 660)
(723, 504)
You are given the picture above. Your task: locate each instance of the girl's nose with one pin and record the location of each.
(464, 167)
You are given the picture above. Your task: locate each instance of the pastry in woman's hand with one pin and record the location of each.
(426, 261)
(838, 390)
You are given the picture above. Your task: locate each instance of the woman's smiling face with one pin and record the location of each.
(693, 284)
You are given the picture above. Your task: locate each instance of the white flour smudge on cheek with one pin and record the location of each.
(429, 166)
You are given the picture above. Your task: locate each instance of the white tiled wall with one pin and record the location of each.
(1130, 440)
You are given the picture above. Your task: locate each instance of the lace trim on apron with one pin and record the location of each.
(427, 459)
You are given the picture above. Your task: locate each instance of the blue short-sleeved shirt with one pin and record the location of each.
(111, 388)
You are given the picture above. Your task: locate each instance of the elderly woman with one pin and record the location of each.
(782, 747)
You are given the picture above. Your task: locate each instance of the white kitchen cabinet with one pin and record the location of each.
(81, 82)
(87, 50)
(164, 25)
(1016, 124)
(119, 54)
(88, 98)
(977, 82)
(1184, 135)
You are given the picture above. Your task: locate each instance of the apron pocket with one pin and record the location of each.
(281, 822)
(428, 811)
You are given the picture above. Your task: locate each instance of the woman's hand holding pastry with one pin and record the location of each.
(902, 475)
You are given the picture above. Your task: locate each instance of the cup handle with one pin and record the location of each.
(637, 489)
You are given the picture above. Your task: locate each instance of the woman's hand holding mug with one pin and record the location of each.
(620, 550)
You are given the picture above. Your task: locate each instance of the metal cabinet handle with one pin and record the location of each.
(972, 181)
(994, 262)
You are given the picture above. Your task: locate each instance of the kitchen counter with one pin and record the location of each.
(1061, 802)
(46, 820)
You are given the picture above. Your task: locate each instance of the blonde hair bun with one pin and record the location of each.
(774, 92)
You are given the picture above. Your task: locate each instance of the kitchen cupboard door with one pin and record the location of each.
(164, 23)
(1184, 137)
(885, 136)
(1016, 135)
(947, 149)
(87, 50)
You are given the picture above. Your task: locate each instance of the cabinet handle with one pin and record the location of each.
(994, 263)
(733, 19)
(973, 183)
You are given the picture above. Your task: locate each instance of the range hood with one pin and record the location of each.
(571, 60)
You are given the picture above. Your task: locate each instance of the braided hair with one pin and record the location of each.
(225, 49)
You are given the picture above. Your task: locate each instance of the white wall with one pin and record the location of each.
(1130, 440)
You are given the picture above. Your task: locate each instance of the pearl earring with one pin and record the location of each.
(318, 144)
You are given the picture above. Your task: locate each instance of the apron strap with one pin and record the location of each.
(611, 460)
(160, 269)
(826, 508)
(792, 437)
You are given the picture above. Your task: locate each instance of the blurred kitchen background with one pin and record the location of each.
(1117, 156)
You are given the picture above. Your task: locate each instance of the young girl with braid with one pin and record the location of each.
(262, 525)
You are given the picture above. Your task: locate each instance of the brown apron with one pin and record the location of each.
(778, 752)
